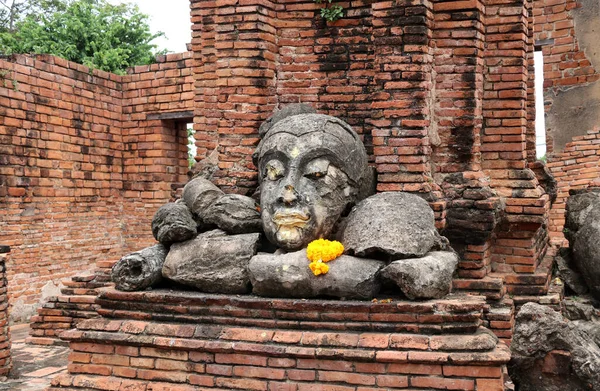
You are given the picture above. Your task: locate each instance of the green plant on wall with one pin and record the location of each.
(330, 12)
(6, 78)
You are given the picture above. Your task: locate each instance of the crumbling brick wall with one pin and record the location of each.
(576, 167)
(440, 92)
(566, 31)
(82, 167)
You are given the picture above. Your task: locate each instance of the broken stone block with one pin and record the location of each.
(394, 225)
(582, 229)
(139, 270)
(234, 214)
(429, 277)
(199, 194)
(173, 222)
(543, 338)
(288, 275)
(213, 262)
(571, 277)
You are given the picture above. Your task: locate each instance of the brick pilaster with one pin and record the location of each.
(5, 357)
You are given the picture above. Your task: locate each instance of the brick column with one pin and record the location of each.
(521, 242)
(5, 360)
(400, 107)
(471, 206)
(235, 55)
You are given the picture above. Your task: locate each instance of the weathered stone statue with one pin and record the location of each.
(312, 168)
(315, 183)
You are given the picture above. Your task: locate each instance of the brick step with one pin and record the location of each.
(66, 316)
(553, 298)
(104, 279)
(46, 341)
(47, 333)
(79, 292)
(499, 318)
(70, 303)
(81, 299)
(83, 285)
(83, 277)
(530, 284)
(106, 264)
(71, 306)
(186, 356)
(491, 288)
(433, 316)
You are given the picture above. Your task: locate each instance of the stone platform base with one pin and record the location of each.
(164, 340)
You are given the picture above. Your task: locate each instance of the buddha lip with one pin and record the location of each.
(288, 218)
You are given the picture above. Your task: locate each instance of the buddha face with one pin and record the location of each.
(302, 195)
(305, 187)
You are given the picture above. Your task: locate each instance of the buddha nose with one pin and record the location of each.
(289, 195)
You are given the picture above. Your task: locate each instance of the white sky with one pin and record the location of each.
(171, 17)
(540, 125)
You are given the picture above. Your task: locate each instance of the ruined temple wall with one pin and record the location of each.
(69, 197)
(567, 31)
(576, 167)
(61, 171)
(440, 92)
(254, 57)
(235, 55)
(158, 102)
(520, 240)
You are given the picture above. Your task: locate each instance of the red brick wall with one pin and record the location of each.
(82, 170)
(440, 91)
(248, 64)
(565, 64)
(574, 168)
(155, 150)
(567, 67)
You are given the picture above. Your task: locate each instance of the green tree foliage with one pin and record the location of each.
(90, 32)
(14, 11)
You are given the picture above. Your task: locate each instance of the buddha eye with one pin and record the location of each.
(274, 170)
(316, 169)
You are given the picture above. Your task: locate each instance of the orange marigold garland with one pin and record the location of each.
(321, 251)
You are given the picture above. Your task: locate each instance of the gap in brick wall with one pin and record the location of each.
(191, 144)
(540, 120)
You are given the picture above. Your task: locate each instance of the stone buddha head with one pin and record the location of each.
(312, 169)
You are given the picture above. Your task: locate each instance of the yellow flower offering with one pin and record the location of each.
(321, 251)
(318, 267)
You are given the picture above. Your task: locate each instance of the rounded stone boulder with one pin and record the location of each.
(586, 251)
(212, 262)
(235, 214)
(288, 275)
(173, 222)
(393, 225)
(579, 206)
(429, 277)
(139, 270)
(199, 194)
